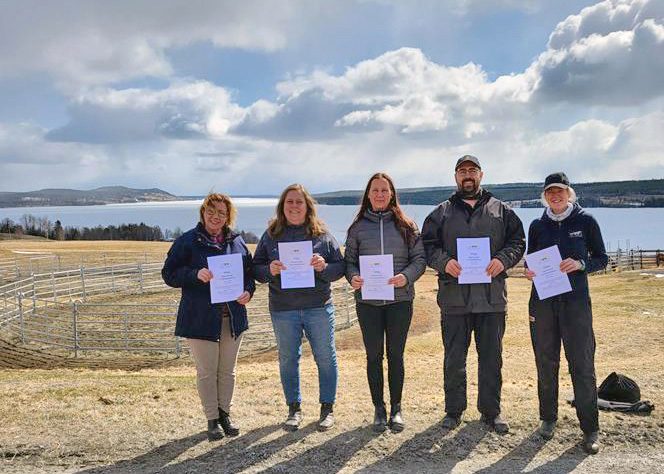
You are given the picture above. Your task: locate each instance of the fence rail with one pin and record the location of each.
(68, 309)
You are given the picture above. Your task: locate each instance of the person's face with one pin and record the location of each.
(295, 208)
(468, 177)
(380, 194)
(215, 217)
(557, 198)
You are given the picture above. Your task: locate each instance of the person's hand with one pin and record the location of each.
(244, 298)
(398, 280)
(495, 267)
(204, 275)
(453, 268)
(570, 265)
(318, 263)
(529, 273)
(356, 282)
(276, 266)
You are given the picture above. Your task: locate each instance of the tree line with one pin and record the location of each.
(43, 227)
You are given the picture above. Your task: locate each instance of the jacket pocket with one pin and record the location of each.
(450, 294)
(498, 291)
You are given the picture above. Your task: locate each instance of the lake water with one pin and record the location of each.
(624, 228)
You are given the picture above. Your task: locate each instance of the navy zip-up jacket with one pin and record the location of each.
(324, 245)
(578, 237)
(197, 317)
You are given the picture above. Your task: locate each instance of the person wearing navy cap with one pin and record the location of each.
(566, 317)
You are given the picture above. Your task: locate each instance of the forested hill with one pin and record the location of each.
(75, 197)
(642, 193)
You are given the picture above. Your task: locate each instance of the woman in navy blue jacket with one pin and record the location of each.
(567, 316)
(214, 331)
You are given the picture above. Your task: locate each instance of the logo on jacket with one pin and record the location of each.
(578, 233)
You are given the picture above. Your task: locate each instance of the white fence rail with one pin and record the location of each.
(68, 310)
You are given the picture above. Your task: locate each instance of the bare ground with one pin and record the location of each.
(74, 418)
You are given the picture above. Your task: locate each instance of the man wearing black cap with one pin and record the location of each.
(467, 308)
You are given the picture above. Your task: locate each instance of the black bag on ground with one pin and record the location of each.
(619, 388)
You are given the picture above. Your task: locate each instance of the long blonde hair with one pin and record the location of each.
(312, 223)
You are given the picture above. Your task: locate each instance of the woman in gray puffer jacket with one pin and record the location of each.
(381, 228)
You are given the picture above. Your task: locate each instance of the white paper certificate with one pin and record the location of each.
(474, 255)
(549, 280)
(375, 270)
(227, 282)
(297, 257)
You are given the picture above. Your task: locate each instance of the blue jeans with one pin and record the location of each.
(318, 325)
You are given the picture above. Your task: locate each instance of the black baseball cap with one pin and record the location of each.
(465, 158)
(558, 180)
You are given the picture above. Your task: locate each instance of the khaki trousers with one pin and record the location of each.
(215, 370)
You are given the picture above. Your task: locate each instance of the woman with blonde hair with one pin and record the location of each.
(214, 331)
(566, 317)
(380, 228)
(295, 311)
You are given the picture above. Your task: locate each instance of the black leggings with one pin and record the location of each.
(385, 325)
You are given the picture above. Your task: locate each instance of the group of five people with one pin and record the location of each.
(381, 227)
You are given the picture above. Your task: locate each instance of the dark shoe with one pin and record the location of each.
(499, 425)
(294, 417)
(214, 432)
(227, 424)
(451, 421)
(326, 420)
(396, 419)
(380, 419)
(590, 442)
(546, 429)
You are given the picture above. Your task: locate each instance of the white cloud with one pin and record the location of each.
(183, 110)
(98, 42)
(611, 53)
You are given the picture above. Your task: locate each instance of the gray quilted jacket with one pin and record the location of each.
(377, 234)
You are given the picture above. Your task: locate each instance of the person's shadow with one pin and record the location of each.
(523, 454)
(435, 446)
(329, 457)
(159, 457)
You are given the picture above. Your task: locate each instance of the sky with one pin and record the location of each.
(248, 97)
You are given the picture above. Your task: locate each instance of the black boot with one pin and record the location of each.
(396, 419)
(380, 419)
(227, 424)
(326, 420)
(294, 417)
(214, 432)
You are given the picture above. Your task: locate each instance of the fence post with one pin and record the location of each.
(113, 278)
(140, 277)
(75, 326)
(83, 282)
(20, 317)
(126, 330)
(55, 295)
(18, 271)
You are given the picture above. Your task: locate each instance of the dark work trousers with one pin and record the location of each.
(489, 329)
(385, 325)
(569, 319)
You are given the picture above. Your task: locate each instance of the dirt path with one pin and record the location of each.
(73, 419)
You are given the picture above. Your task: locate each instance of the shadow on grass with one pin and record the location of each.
(328, 457)
(158, 458)
(240, 453)
(434, 449)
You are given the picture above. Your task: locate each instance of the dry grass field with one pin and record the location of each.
(146, 417)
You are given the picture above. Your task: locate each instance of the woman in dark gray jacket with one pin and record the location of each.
(295, 311)
(381, 228)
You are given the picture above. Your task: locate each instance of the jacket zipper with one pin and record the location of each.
(382, 245)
